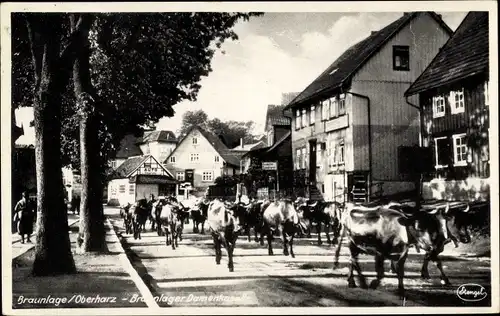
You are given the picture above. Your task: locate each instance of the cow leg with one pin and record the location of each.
(194, 225)
(327, 232)
(174, 237)
(393, 267)
(247, 228)
(269, 242)
(284, 238)
(439, 264)
(355, 264)
(401, 273)
(379, 268)
(292, 232)
(217, 247)
(425, 267)
(203, 227)
(318, 230)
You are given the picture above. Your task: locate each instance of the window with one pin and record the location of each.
(147, 166)
(131, 189)
(341, 153)
(207, 176)
(331, 154)
(297, 119)
(442, 150)
(216, 158)
(460, 149)
(195, 140)
(304, 158)
(486, 93)
(121, 188)
(304, 118)
(401, 58)
(438, 109)
(298, 158)
(334, 107)
(456, 100)
(312, 117)
(172, 159)
(179, 176)
(342, 104)
(325, 109)
(113, 164)
(195, 157)
(113, 190)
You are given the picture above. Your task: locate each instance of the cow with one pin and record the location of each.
(127, 217)
(171, 223)
(280, 216)
(321, 213)
(448, 225)
(140, 213)
(379, 231)
(199, 213)
(224, 230)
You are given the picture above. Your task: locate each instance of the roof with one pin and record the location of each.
(127, 167)
(231, 158)
(247, 147)
(342, 69)
(158, 136)
(276, 116)
(152, 179)
(269, 149)
(129, 147)
(465, 54)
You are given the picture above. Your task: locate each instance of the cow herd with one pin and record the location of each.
(386, 231)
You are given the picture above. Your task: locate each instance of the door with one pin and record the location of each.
(312, 161)
(189, 176)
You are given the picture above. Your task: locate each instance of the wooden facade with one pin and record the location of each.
(438, 132)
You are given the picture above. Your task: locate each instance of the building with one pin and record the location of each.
(278, 151)
(159, 144)
(453, 100)
(138, 178)
(200, 157)
(347, 148)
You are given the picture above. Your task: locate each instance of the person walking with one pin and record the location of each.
(23, 216)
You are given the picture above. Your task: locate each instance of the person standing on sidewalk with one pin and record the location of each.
(24, 217)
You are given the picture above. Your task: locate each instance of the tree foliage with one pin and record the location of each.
(232, 130)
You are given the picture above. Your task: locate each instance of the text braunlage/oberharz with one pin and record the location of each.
(181, 299)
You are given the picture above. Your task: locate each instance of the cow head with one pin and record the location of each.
(457, 223)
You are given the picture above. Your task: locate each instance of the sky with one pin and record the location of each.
(275, 53)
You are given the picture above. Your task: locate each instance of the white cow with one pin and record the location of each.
(282, 216)
(222, 225)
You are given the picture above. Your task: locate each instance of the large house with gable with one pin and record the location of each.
(200, 157)
(349, 122)
(454, 102)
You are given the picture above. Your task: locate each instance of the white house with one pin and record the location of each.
(200, 157)
(138, 178)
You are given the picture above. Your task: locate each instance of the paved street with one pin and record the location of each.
(307, 280)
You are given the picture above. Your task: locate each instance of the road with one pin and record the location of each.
(308, 280)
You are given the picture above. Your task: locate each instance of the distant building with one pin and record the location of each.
(454, 100)
(288, 97)
(138, 178)
(349, 122)
(200, 157)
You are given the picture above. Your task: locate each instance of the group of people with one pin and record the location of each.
(24, 217)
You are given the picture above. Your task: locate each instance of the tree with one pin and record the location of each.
(53, 248)
(193, 118)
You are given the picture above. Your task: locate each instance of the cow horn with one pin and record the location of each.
(314, 204)
(467, 208)
(447, 207)
(433, 211)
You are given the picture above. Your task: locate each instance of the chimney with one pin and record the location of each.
(241, 142)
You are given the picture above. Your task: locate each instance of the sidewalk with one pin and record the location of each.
(102, 280)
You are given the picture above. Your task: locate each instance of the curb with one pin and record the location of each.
(127, 265)
(34, 244)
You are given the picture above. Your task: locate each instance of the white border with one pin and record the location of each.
(389, 6)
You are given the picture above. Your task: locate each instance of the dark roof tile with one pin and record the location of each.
(127, 167)
(158, 136)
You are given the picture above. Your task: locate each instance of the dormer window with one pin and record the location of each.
(438, 107)
(401, 58)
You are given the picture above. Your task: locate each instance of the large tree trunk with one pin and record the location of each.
(92, 233)
(53, 248)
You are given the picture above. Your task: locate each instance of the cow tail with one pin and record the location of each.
(339, 245)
